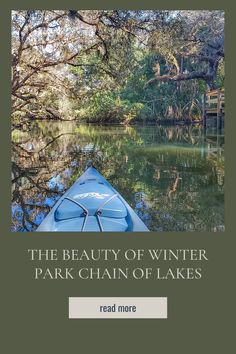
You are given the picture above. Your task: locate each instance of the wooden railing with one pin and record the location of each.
(215, 102)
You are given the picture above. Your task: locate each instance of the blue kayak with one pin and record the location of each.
(92, 204)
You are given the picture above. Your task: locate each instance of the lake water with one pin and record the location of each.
(173, 177)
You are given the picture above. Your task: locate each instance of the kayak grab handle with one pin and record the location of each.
(85, 213)
(99, 210)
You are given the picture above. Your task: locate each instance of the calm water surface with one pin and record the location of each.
(173, 177)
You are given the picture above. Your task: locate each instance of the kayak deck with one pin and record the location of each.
(92, 204)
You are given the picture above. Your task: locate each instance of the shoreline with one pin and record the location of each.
(169, 122)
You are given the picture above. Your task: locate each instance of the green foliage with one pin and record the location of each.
(115, 65)
(108, 107)
(135, 101)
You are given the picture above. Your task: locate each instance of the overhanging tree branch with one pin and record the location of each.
(181, 77)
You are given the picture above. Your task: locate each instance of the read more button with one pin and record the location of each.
(117, 307)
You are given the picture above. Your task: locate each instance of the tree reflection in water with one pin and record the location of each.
(172, 176)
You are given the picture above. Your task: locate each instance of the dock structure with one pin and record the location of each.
(214, 107)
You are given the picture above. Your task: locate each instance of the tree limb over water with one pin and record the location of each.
(102, 64)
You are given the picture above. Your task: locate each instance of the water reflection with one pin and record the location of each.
(172, 176)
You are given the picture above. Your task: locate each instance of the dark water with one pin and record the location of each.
(172, 176)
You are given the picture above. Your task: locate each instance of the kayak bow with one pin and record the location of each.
(92, 204)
